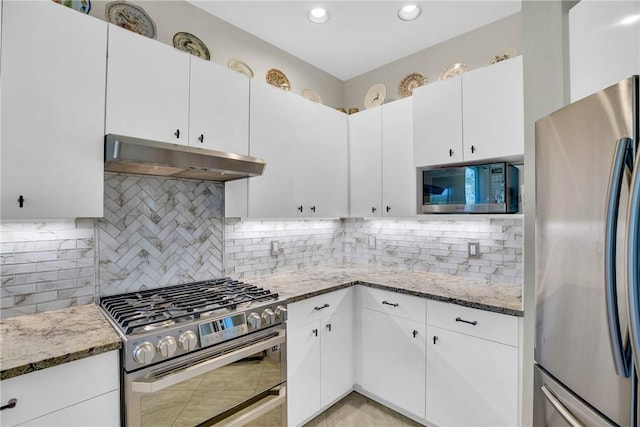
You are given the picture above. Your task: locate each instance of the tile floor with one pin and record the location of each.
(356, 410)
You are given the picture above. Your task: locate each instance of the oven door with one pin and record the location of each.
(233, 384)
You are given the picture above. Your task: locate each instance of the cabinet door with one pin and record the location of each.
(277, 137)
(493, 111)
(337, 357)
(437, 123)
(399, 196)
(303, 372)
(327, 161)
(467, 372)
(218, 108)
(147, 88)
(52, 111)
(365, 163)
(393, 360)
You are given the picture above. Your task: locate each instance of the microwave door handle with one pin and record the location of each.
(633, 264)
(151, 386)
(620, 355)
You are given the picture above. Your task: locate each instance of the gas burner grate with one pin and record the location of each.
(156, 308)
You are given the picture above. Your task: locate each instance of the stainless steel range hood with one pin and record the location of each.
(134, 155)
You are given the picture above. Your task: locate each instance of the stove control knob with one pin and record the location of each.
(143, 353)
(188, 341)
(268, 317)
(281, 313)
(254, 321)
(167, 346)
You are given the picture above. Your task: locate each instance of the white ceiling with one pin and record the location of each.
(361, 35)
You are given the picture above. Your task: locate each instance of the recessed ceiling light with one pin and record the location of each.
(409, 12)
(319, 15)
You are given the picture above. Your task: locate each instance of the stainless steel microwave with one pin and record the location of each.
(485, 188)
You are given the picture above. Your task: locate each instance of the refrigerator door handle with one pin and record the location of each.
(622, 363)
(562, 410)
(633, 264)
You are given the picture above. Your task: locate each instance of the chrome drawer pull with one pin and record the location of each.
(474, 323)
(10, 404)
(321, 307)
(562, 410)
(391, 304)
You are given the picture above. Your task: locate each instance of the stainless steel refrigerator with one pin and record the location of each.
(587, 302)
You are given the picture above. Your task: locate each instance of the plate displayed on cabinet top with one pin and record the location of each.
(375, 95)
(278, 79)
(83, 6)
(504, 54)
(453, 70)
(410, 82)
(239, 66)
(312, 95)
(131, 17)
(191, 44)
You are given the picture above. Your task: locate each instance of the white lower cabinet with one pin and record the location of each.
(84, 392)
(320, 367)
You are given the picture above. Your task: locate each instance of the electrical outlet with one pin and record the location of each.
(372, 241)
(473, 250)
(275, 247)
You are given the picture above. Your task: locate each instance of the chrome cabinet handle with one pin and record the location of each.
(10, 404)
(471, 322)
(623, 149)
(21, 201)
(321, 307)
(313, 209)
(373, 209)
(450, 153)
(473, 149)
(390, 303)
(201, 138)
(315, 332)
(435, 339)
(177, 133)
(414, 333)
(300, 208)
(329, 326)
(388, 209)
(562, 410)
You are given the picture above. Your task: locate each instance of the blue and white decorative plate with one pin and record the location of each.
(83, 6)
(131, 17)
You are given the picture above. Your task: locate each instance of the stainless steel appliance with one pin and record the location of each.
(587, 305)
(485, 188)
(202, 353)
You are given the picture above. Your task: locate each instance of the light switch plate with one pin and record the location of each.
(473, 250)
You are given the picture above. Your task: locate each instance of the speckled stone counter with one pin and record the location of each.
(38, 341)
(306, 283)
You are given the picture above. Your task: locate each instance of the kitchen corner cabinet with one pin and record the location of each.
(305, 147)
(382, 176)
(52, 112)
(320, 368)
(84, 392)
(190, 102)
(393, 349)
(473, 117)
(471, 366)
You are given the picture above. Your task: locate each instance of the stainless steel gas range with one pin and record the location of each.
(200, 354)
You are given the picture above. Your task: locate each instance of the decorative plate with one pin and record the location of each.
(278, 79)
(83, 6)
(131, 17)
(410, 82)
(312, 95)
(191, 44)
(239, 66)
(507, 53)
(453, 70)
(375, 95)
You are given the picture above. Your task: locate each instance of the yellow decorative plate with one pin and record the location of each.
(453, 70)
(410, 82)
(278, 79)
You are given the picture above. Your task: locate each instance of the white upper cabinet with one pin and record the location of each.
(604, 44)
(218, 108)
(437, 122)
(365, 161)
(304, 145)
(147, 88)
(52, 111)
(474, 117)
(493, 111)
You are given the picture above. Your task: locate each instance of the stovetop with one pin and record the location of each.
(160, 324)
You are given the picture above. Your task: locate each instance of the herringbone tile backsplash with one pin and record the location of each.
(157, 232)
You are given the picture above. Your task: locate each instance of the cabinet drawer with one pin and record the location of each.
(488, 325)
(394, 303)
(46, 391)
(320, 306)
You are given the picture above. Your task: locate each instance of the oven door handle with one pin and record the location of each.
(153, 385)
(268, 404)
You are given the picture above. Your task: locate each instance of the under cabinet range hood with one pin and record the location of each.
(134, 155)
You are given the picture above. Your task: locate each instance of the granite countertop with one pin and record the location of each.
(481, 294)
(38, 341)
